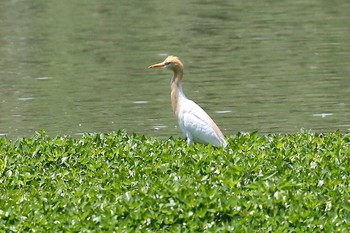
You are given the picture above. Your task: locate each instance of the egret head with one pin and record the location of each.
(173, 63)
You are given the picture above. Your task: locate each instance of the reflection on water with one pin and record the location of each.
(71, 68)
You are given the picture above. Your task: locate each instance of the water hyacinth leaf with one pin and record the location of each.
(128, 182)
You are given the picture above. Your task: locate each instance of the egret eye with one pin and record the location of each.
(167, 63)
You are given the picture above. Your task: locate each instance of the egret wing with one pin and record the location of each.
(199, 124)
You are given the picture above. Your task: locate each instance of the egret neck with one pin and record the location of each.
(176, 91)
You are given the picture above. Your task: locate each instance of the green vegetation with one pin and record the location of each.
(121, 183)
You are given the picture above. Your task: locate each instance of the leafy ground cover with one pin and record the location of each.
(121, 183)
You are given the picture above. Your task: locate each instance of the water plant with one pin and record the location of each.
(121, 182)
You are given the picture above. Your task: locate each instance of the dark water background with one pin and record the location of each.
(72, 67)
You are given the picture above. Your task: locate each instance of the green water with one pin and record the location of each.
(72, 67)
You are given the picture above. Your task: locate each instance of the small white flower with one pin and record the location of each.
(328, 206)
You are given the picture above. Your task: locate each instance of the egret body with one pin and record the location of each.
(194, 122)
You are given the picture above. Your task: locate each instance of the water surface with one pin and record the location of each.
(75, 67)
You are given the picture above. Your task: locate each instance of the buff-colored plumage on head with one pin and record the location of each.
(171, 62)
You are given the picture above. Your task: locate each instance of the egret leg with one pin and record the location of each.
(189, 139)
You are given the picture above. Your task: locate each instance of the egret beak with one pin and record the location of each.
(157, 65)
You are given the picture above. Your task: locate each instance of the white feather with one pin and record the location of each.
(197, 125)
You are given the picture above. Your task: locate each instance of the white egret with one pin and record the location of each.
(194, 122)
